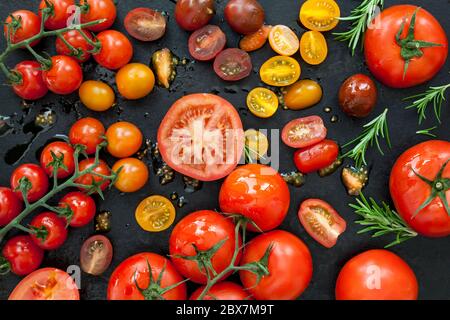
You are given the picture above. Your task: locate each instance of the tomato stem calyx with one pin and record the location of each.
(5, 266)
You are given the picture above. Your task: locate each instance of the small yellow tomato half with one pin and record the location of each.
(283, 40)
(133, 174)
(280, 71)
(135, 81)
(313, 47)
(96, 95)
(302, 94)
(155, 214)
(256, 144)
(320, 15)
(262, 102)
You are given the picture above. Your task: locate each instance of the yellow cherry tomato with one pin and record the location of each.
(135, 81)
(262, 102)
(96, 95)
(155, 214)
(256, 144)
(313, 47)
(280, 71)
(283, 40)
(133, 175)
(302, 94)
(320, 15)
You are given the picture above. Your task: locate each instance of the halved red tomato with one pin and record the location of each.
(321, 221)
(233, 64)
(304, 132)
(145, 24)
(46, 284)
(206, 43)
(201, 136)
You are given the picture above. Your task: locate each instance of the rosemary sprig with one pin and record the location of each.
(427, 132)
(381, 220)
(373, 130)
(361, 17)
(434, 95)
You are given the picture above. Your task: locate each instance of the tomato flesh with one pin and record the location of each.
(233, 64)
(96, 255)
(304, 132)
(145, 24)
(255, 41)
(313, 47)
(280, 71)
(206, 43)
(316, 157)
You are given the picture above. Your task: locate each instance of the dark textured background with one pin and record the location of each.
(429, 258)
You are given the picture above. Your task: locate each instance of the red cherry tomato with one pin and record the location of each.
(93, 10)
(304, 132)
(23, 255)
(222, 291)
(89, 179)
(233, 64)
(194, 14)
(244, 16)
(65, 75)
(206, 43)
(58, 149)
(83, 208)
(76, 39)
(28, 24)
(10, 206)
(32, 85)
(316, 157)
(145, 24)
(36, 176)
(87, 132)
(116, 50)
(51, 230)
(61, 12)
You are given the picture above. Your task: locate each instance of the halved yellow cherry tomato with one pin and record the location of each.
(96, 95)
(262, 102)
(283, 40)
(256, 144)
(155, 214)
(313, 47)
(280, 71)
(320, 15)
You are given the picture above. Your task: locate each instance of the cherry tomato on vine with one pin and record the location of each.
(155, 214)
(65, 75)
(31, 85)
(194, 14)
(96, 255)
(283, 40)
(302, 94)
(124, 139)
(10, 206)
(145, 24)
(222, 291)
(96, 95)
(25, 25)
(313, 47)
(135, 81)
(316, 157)
(23, 255)
(116, 50)
(50, 230)
(280, 71)
(244, 16)
(88, 132)
(206, 43)
(320, 15)
(304, 132)
(233, 64)
(75, 39)
(92, 10)
(36, 177)
(90, 179)
(133, 175)
(58, 149)
(83, 208)
(60, 13)
(262, 102)
(256, 40)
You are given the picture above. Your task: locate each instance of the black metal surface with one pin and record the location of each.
(429, 258)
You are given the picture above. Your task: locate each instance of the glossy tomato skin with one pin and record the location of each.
(383, 54)
(203, 229)
(145, 24)
(74, 38)
(358, 96)
(303, 94)
(122, 281)
(58, 148)
(206, 43)
(23, 255)
(60, 15)
(376, 275)
(290, 266)
(36, 175)
(116, 50)
(98, 10)
(55, 227)
(135, 81)
(64, 77)
(133, 175)
(194, 14)
(83, 208)
(222, 291)
(96, 95)
(30, 25)
(316, 157)
(124, 139)
(244, 16)
(10, 206)
(88, 132)
(242, 193)
(304, 132)
(408, 191)
(32, 87)
(88, 179)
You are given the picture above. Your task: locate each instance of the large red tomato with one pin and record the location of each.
(417, 180)
(386, 56)
(376, 275)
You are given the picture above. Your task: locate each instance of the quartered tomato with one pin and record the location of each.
(50, 230)
(201, 136)
(194, 14)
(320, 15)
(304, 132)
(222, 291)
(32, 85)
(155, 214)
(22, 254)
(317, 156)
(283, 40)
(88, 132)
(262, 102)
(313, 47)
(133, 175)
(96, 255)
(46, 284)
(280, 71)
(58, 149)
(233, 64)
(145, 24)
(302, 94)
(35, 175)
(255, 41)
(92, 10)
(10, 205)
(321, 221)
(206, 43)
(124, 139)
(25, 25)
(60, 13)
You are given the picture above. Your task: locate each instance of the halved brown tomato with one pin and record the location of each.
(320, 15)
(206, 43)
(233, 64)
(201, 136)
(283, 40)
(313, 47)
(280, 71)
(255, 41)
(304, 132)
(96, 255)
(145, 24)
(321, 221)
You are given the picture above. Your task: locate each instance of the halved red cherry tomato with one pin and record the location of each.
(89, 179)
(316, 157)
(58, 149)
(96, 254)
(50, 230)
(60, 13)
(321, 221)
(32, 85)
(304, 132)
(78, 41)
(23, 255)
(255, 41)
(25, 25)
(233, 64)
(145, 24)
(46, 284)
(35, 175)
(194, 14)
(116, 50)
(88, 132)
(65, 75)
(83, 208)
(10, 206)
(222, 291)
(206, 43)
(98, 10)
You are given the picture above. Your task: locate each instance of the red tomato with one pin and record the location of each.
(133, 273)
(206, 43)
(32, 85)
(64, 77)
(376, 275)
(316, 157)
(35, 175)
(28, 24)
(46, 284)
(289, 265)
(145, 24)
(88, 132)
(194, 14)
(409, 192)
(23, 255)
(116, 50)
(321, 221)
(203, 230)
(62, 10)
(384, 56)
(244, 16)
(58, 149)
(222, 291)
(10, 206)
(304, 132)
(52, 232)
(233, 64)
(89, 179)
(206, 119)
(76, 39)
(96, 255)
(83, 208)
(93, 10)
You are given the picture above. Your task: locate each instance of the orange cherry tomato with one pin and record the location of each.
(255, 41)
(124, 139)
(133, 174)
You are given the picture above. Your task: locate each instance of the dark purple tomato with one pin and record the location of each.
(233, 64)
(194, 14)
(244, 16)
(358, 96)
